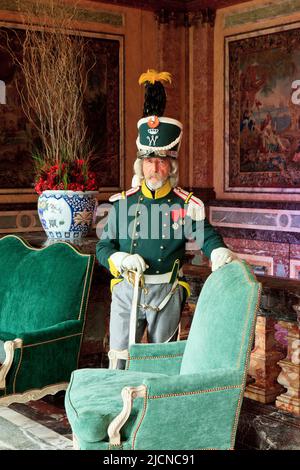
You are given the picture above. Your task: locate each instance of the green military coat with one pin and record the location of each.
(156, 225)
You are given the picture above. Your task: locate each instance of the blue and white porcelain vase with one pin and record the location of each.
(67, 215)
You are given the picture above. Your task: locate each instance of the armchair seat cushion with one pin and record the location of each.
(93, 400)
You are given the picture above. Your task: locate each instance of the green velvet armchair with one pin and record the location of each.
(44, 294)
(179, 395)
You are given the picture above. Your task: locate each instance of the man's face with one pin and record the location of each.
(156, 170)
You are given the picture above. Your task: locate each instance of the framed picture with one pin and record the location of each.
(103, 107)
(262, 121)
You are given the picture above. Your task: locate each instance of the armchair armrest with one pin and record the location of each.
(206, 381)
(206, 405)
(54, 332)
(164, 358)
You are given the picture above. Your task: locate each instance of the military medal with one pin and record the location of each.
(178, 217)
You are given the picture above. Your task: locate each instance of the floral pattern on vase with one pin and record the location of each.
(66, 215)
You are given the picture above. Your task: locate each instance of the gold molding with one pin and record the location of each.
(115, 19)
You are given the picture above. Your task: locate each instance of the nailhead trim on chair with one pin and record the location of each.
(197, 392)
(245, 325)
(155, 357)
(142, 417)
(140, 358)
(178, 394)
(235, 424)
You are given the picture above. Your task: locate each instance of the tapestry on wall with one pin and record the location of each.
(262, 121)
(102, 99)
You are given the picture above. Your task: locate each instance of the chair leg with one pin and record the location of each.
(9, 348)
(114, 355)
(75, 442)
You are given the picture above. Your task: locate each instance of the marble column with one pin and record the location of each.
(200, 99)
(263, 363)
(171, 52)
(289, 376)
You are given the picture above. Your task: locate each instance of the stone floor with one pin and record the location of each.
(36, 425)
(43, 425)
(265, 427)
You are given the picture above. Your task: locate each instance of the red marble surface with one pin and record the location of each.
(295, 251)
(48, 411)
(278, 251)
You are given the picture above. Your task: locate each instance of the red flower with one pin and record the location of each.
(73, 176)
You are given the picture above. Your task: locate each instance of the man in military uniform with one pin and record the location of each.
(148, 227)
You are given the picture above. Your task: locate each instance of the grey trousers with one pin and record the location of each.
(161, 326)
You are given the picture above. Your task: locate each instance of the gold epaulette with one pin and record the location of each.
(123, 194)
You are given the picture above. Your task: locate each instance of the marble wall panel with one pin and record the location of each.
(264, 252)
(295, 261)
(20, 221)
(255, 218)
(295, 252)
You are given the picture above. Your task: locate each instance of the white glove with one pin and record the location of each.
(117, 259)
(221, 256)
(134, 263)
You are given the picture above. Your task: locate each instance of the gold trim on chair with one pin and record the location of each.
(28, 245)
(252, 334)
(84, 287)
(146, 358)
(86, 303)
(142, 417)
(51, 340)
(196, 392)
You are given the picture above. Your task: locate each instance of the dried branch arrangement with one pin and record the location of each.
(55, 74)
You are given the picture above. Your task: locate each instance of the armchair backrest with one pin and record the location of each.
(224, 321)
(41, 287)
